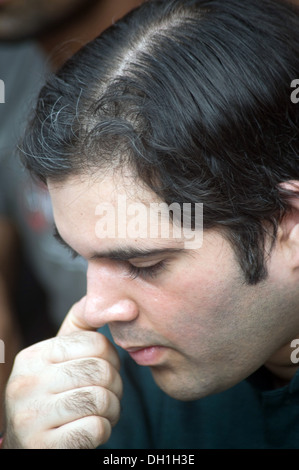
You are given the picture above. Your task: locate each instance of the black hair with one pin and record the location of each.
(194, 97)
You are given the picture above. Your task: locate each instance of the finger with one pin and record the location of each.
(82, 345)
(75, 323)
(86, 401)
(82, 373)
(74, 320)
(34, 359)
(85, 433)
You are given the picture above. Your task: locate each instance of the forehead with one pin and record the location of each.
(106, 210)
(76, 191)
(106, 207)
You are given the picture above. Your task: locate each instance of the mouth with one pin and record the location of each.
(146, 355)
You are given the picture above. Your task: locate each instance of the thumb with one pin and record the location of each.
(74, 320)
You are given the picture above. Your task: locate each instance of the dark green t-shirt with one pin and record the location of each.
(247, 416)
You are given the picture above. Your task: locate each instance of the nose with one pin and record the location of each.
(99, 310)
(108, 298)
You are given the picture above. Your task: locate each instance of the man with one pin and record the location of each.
(182, 102)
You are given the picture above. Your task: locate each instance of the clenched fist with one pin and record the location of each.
(64, 393)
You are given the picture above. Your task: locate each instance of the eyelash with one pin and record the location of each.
(146, 272)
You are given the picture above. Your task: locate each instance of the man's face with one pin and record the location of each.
(187, 314)
(25, 18)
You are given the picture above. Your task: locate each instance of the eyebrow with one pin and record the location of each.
(120, 253)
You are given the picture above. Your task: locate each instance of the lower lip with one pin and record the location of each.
(148, 356)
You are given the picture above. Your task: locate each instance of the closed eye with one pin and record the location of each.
(146, 272)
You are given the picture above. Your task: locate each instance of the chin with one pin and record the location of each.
(178, 387)
(185, 387)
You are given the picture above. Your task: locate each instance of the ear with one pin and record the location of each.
(288, 233)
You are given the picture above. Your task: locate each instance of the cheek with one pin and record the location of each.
(198, 292)
(188, 308)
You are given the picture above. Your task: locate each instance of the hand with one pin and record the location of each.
(64, 393)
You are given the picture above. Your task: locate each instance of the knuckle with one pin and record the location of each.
(24, 355)
(81, 371)
(95, 431)
(23, 419)
(20, 385)
(58, 345)
(92, 371)
(81, 401)
(79, 439)
(14, 387)
(33, 357)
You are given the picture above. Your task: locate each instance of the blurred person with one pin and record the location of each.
(38, 279)
(182, 101)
